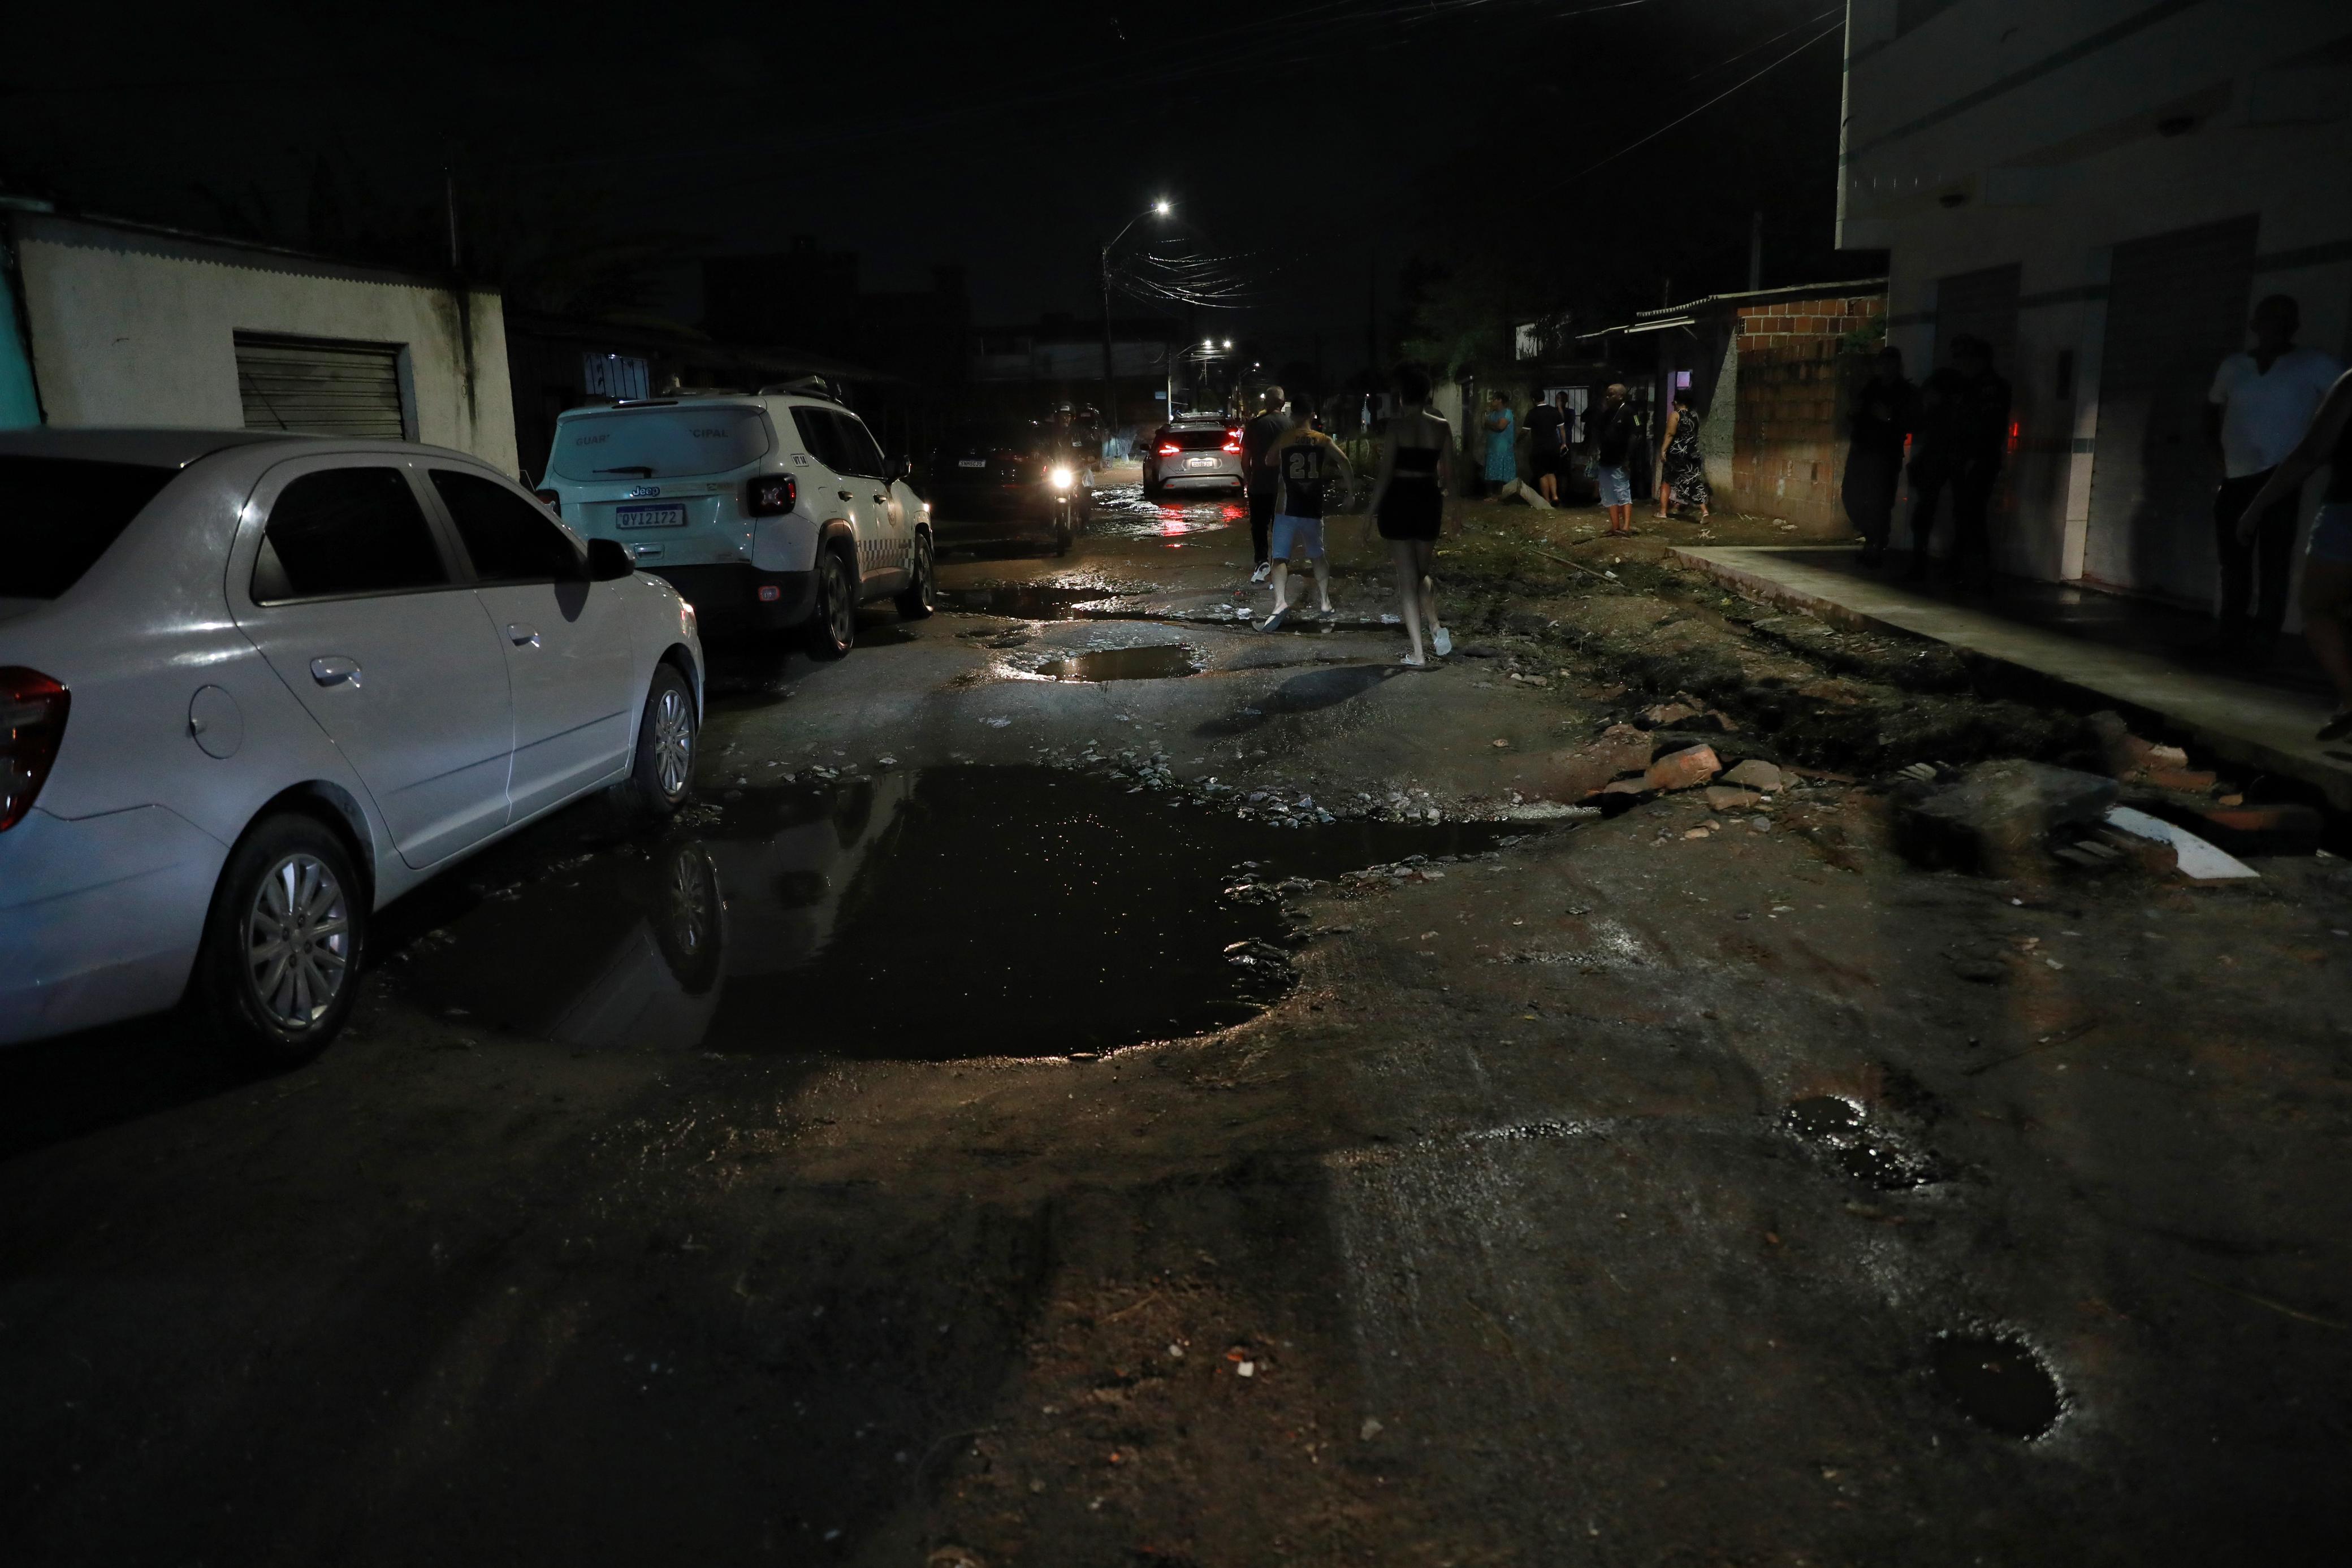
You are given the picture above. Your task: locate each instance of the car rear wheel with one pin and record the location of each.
(832, 629)
(920, 598)
(661, 770)
(279, 966)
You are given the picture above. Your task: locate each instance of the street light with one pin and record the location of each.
(1158, 209)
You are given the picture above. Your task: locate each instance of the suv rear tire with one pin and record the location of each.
(833, 624)
(661, 770)
(279, 968)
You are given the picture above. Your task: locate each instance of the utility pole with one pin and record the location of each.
(449, 205)
(1110, 394)
(1755, 252)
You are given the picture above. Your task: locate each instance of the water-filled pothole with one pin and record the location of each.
(1866, 1153)
(1033, 600)
(927, 915)
(1998, 1381)
(1160, 663)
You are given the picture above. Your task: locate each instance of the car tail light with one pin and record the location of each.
(554, 502)
(1168, 449)
(1233, 442)
(771, 495)
(32, 721)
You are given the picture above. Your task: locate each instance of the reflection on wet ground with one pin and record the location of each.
(1998, 1381)
(1035, 601)
(1867, 1154)
(1154, 663)
(1122, 512)
(953, 911)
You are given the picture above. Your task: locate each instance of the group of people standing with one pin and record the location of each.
(2276, 414)
(1612, 432)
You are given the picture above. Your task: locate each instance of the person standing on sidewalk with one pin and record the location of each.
(1682, 472)
(1612, 427)
(2327, 559)
(1502, 446)
(1546, 440)
(1409, 507)
(2261, 405)
(1260, 482)
(1883, 413)
(1314, 476)
(1963, 438)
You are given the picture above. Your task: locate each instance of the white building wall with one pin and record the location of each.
(130, 329)
(2046, 133)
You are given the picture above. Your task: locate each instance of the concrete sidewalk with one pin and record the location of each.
(2261, 723)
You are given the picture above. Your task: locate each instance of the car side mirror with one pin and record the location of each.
(608, 559)
(901, 466)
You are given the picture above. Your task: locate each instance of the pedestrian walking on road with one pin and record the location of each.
(1682, 472)
(1314, 475)
(1502, 446)
(1614, 428)
(2261, 405)
(2327, 559)
(1547, 444)
(1963, 437)
(1409, 507)
(1260, 481)
(1884, 411)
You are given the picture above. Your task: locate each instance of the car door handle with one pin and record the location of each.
(846, 496)
(334, 670)
(522, 637)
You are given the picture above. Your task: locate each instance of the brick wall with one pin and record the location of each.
(1797, 369)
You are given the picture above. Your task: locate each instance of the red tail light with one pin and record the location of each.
(1168, 449)
(771, 495)
(1233, 444)
(548, 498)
(32, 721)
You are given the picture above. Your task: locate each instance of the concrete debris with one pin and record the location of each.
(2198, 861)
(1684, 770)
(1999, 816)
(1725, 797)
(2276, 830)
(1755, 774)
(1618, 750)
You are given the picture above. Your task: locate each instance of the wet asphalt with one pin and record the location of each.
(1090, 1082)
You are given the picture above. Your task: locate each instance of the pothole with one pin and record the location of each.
(1998, 1382)
(1163, 661)
(1033, 600)
(1869, 1154)
(923, 915)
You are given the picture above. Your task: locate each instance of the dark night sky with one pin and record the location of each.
(1319, 143)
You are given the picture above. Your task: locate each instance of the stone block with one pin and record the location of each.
(1995, 818)
(1755, 774)
(1684, 770)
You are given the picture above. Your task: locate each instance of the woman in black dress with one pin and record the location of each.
(1682, 472)
(1409, 506)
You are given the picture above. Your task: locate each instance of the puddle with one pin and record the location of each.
(1867, 1154)
(1124, 513)
(1998, 1381)
(924, 915)
(1033, 600)
(1161, 663)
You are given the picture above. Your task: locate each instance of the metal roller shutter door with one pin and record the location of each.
(2176, 308)
(321, 387)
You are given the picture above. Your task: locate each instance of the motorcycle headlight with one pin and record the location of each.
(1062, 478)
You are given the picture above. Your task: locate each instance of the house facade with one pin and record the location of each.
(125, 324)
(2101, 189)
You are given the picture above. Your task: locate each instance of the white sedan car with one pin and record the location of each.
(254, 687)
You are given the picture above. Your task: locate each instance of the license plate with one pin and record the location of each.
(971, 462)
(1200, 462)
(668, 517)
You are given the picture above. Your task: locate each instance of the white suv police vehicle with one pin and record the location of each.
(767, 512)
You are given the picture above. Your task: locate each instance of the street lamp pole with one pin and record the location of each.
(1159, 209)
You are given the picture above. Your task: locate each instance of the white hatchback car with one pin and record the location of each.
(769, 512)
(254, 687)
